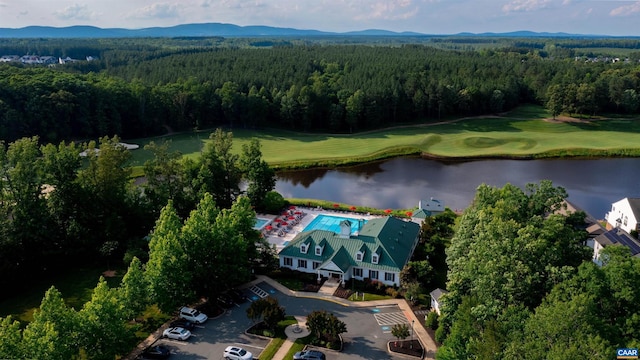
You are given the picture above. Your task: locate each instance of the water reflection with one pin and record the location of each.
(400, 183)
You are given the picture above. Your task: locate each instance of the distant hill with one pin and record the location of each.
(226, 30)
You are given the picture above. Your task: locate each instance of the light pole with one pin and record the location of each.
(411, 344)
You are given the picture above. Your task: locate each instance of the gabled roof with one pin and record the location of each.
(619, 237)
(421, 214)
(341, 259)
(634, 203)
(437, 293)
(392, 238)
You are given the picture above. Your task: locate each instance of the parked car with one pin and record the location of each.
(155, 352)
(177, 333)
(309, 355)
(238, 296)
(236, 353)
(183, 323)
(225, 301)
(193, 315)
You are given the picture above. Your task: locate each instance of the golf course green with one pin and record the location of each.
(527, 132)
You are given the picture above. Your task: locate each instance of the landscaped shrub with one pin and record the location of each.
(432, 320)
(392, 292)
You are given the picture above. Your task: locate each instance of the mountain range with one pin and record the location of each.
(226, 30)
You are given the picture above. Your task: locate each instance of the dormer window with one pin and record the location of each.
(318, 250)
(375, 258)
(359, 256)
(304, 248)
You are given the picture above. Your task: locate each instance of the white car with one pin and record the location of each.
(176, 333)
(236, 353)
(193, 315)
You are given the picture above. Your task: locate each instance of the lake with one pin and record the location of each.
(592, 184)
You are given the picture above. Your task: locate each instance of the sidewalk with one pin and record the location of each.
(428, 343)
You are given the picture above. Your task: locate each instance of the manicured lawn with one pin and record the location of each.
(520, 133)
(278, 340)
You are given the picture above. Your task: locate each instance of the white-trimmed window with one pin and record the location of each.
(375, 258)
(625, 221)
(318, 250)
(287, 261)
(373, 274)
(357, 272)
(359, 256)
(390, 277)
(316, 264)
(302, 263)
(304, 247)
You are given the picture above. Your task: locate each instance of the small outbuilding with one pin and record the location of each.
(436, 296)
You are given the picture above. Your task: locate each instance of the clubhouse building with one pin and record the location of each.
(378, 250)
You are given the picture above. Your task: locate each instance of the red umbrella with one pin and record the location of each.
(269, 227)
(388, 211)
(292, 207)
(286, 213)
(336, 205)
(352, 208)
(409, 213)
(291, 218)
(298, 212)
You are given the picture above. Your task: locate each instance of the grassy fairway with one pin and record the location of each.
(522, 133)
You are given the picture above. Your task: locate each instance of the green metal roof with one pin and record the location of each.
(392, 238)
(421, 214)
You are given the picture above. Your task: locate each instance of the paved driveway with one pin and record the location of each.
(368, 330)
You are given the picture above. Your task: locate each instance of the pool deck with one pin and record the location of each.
(310, 214)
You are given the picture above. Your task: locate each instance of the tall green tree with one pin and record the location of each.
(259, 175)
(167, 270)
(54, 332)
(106, 193)
(133, 292)
(11, 335)
(104, 331)
(218, 173)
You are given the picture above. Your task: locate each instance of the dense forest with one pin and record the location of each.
(60, 211)
(140, 88)
(522, 284)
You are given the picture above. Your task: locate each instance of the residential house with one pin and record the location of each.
(428, 208)
(9, 58)
(436, 296)
(377, 251)
(624, 214)
(615, 236)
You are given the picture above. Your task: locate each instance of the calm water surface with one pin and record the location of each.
(399, 183)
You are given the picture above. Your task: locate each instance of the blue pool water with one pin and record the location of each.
(331, 223)
(260, 223)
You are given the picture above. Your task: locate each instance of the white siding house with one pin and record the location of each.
(624, 214)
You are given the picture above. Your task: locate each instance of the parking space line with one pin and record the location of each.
(249, 345)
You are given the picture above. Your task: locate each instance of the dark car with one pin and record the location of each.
(183, 323)
(238, 296)
(155, 352)
(309, 355)
(225, 301)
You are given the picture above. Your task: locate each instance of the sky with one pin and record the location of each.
(595, 17)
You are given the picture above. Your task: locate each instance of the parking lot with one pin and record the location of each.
(368, 329)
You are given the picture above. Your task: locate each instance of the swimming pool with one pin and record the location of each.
(260, 223)
(332, 223)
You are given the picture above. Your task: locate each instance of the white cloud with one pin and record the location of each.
(158, 11)
(626, 10)
(75, 12)
(390, 10)
(525, 5)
